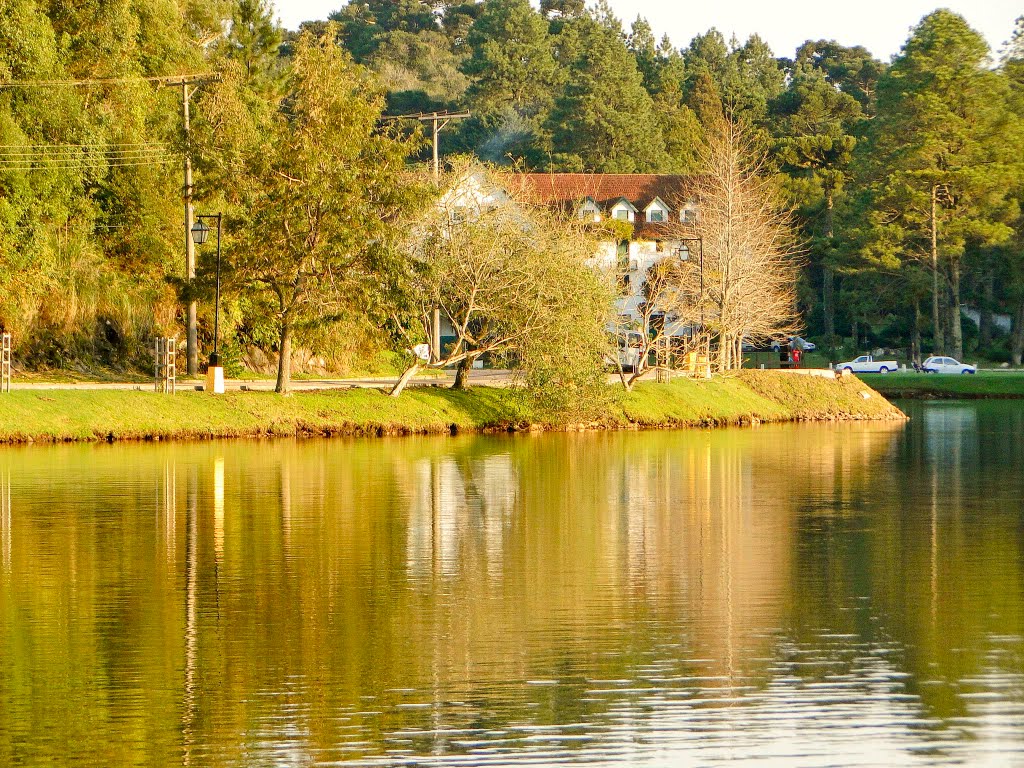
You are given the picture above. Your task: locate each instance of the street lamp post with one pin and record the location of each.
(683, 252)
(200, 234)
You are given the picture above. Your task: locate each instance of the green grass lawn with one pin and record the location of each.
(994, 384)
(72, 415)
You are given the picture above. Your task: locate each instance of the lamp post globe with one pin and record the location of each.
(200, 232)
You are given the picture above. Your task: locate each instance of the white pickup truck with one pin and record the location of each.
(867, 364)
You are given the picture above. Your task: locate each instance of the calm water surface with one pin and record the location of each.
(799, 595)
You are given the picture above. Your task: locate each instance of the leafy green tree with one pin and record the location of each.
(511, 280)
(939, 154)
(1011, 255)
(420, 72)
(317, 189)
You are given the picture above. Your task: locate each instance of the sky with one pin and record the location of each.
(881, 26)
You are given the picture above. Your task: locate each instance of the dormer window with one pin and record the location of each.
(623, 210)
(589, 210)
(688, 214)
(657, 211)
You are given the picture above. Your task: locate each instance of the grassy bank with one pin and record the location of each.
(765, 396)
(980, 386)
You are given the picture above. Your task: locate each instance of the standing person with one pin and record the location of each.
(796, 350)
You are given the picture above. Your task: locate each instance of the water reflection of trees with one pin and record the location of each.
(286, 599)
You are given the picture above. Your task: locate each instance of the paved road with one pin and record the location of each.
(486, 377)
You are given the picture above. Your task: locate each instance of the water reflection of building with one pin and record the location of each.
(458, 514)
(587, 531)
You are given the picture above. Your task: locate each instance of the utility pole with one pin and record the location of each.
(192, 338)
(438, 121)
(192, 344)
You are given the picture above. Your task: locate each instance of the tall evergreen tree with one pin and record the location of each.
(604, 120)
(815, 123)
(514, 76)
(254, 38)
(853, 70)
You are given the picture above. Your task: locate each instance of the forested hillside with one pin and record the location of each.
(906, 176)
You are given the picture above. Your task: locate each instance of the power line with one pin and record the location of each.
(132, 163)
(85, 144)
(162, 79)
(69, 157)
(90, 157)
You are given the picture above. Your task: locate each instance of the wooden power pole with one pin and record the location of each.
(438, 121)
(192, 337)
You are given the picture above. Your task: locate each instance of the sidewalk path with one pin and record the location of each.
(485, 377)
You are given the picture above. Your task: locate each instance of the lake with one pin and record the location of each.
(803, 595)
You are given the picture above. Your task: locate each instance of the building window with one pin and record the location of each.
(659, 246)
(622, 214)
(656, 214)
(688, 216)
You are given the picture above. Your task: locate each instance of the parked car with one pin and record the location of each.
(630, 347)
(868, 364)
(947, 365)
(802, 343)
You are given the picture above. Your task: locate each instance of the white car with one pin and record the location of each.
(947, 365)
(802, 343)
(630, 345)
(868, 364)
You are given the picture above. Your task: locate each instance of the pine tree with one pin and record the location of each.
(815, 123)
(254, 38)
(604, 120)
(511, 60)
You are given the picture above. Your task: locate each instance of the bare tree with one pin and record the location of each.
(750, 255)
(669, 311)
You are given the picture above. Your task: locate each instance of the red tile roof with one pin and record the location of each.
(571, 188)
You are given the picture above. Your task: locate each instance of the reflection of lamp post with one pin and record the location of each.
(200, 234)
(683, 252)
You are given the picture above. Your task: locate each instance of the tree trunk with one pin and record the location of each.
(828, 285)
(939, 342)
(1017, 338)
(828, 281)
(462, 373)
(985, 311)
(955, 325)
(405, 379)
(855, 332)
(915, 334)
(284, 359)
